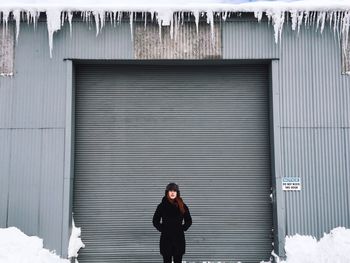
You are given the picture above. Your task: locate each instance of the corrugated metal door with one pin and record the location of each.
(139, 127)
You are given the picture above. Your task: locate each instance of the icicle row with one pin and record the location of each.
(339, 21)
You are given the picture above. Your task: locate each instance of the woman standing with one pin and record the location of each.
(172, 211)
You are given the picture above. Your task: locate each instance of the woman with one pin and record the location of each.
(172, 211)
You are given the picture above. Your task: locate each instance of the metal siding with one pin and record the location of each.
(25, 180)
(35, 98)
(314, 109)
(6, 94)
(51, 185)
(296, 79)
(346, 135)
(248, 40)
(298, 160)
(5, 156)
(207, 128)
(332, 191)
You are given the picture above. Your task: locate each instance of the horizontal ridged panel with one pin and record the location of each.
(248, 40)
(207, 128)
(5, 150)
(318, 156)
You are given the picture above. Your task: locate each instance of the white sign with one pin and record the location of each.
(291, 184)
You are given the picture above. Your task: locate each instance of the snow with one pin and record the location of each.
(75, 242)
(315, 12)
(333, 247)
(17, 247)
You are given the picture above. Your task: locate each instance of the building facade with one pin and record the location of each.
(99, 129)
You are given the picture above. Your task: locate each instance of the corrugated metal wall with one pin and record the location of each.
(314, 117)
(33, 121)
(314, 114)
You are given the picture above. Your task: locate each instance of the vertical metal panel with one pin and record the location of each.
(68, 159)
(6, 94)
(314, 110)
(332, 191)
(248, 40)
(25, 180)
(112, 42)
(318, 157)
(276, 150)
(298, 155)
(185, 43)
(346, 135)
(51, 185)
(5, 156)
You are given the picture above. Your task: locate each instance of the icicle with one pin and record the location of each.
(323, 20)
(171, 28)
(224, 17)
(294, 16)
(258, 14)
(145, 25)
(210, 20)
(300, 20)
(17, 17)
(53, 24)
(196, 19)
(70, 18)
(63, 15)
(278, 21)
(120, 16)
(97, 21)
(131, 16)
(102, 15)
(307, 17)
(5, 16)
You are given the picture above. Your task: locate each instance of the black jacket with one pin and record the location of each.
(172, 238)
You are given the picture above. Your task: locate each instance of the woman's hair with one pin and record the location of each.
(178, 200)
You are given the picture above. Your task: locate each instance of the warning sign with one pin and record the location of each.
(291, 184)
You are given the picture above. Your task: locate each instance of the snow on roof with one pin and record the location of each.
(336, 12)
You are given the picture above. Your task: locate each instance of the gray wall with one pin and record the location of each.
(33, 123)
(313, 104)
(314, 118)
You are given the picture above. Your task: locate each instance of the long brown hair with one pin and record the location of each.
(178, 202)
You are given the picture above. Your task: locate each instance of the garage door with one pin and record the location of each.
(139, 127)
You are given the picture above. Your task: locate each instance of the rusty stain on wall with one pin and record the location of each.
(6, 49)
(346, 57)
(185, 42)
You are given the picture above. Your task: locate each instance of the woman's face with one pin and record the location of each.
(172, 194)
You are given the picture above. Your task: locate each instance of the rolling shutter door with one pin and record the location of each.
(139, 127)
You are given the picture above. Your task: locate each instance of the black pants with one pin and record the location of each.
(177, 258)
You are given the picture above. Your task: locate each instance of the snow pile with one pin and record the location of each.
(170, 12)
(332, 248)
(75, 242)
(16, 247)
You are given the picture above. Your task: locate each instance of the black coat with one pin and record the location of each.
(172, 238)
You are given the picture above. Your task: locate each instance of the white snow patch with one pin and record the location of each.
(17, 247)
(75, 242)
(331, 248)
